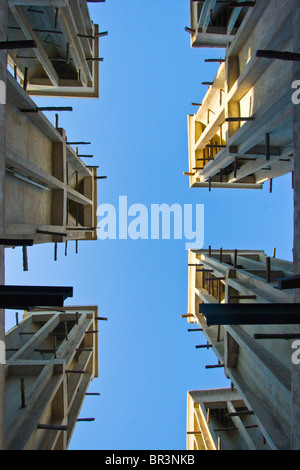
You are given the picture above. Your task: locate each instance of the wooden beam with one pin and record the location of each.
(69, 29)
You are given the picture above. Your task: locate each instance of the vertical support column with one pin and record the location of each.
(3, 58)
(295, 408)
(59, 196)
(232, 108)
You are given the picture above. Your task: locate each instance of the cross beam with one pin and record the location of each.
(251, 314)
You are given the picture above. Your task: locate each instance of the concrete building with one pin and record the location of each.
(48, 48)
(219, 420)
(244, 305)
(242, 134)
(50, 194)
(51, 358)
(65, 61)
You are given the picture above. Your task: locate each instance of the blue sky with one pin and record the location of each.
(138, 130)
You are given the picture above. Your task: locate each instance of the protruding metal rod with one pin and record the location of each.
(240, 413)
(43, 350)
(268, 151)
(213, 146)
(235, 168)
(102, 34)
(72, 371)
(25, 79)
(92, 394)
(215, 366)
(94, 59)
(85, 419)
(52, 427)
(47, 232)
(78, 143)
(242, 297)
(54, 346)
(56, 17)
(239, 119)
(268, 270)
(23, 394)
(25, 259)
(251, 426)
(214, 60)
(204, 346)
(41, 109)
(235, 259)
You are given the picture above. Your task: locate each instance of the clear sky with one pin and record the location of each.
(138, 130)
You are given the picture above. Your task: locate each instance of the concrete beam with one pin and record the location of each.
(241, 427)
(40, 51)
(204, 19)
